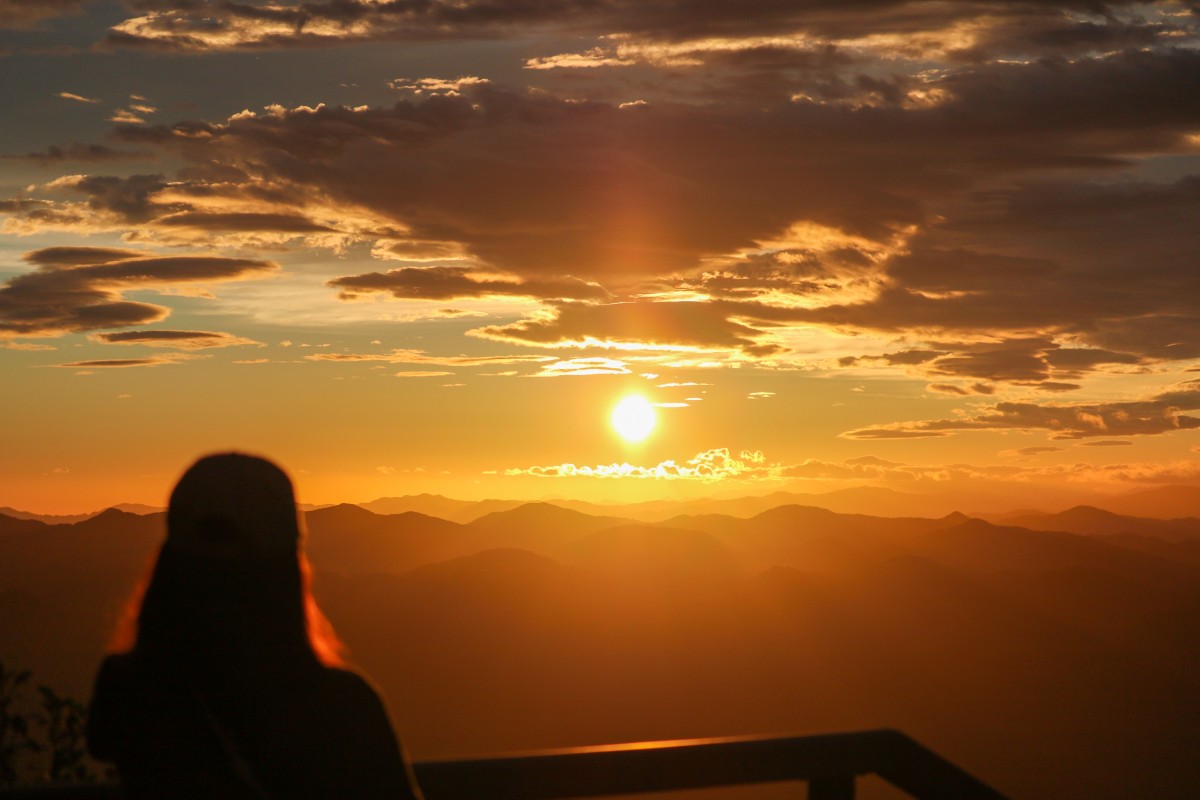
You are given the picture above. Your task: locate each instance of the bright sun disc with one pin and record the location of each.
(633, 418)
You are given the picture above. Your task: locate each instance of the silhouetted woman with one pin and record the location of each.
(230, 687)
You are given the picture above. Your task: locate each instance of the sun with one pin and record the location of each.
(633, 418)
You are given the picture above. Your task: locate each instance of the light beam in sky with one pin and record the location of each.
(633, 418)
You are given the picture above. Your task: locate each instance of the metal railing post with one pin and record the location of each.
(831, 787)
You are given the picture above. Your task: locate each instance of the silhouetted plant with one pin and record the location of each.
(65, 720)
(41, 746)
(16, 725)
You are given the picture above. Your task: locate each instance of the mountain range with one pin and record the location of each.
(1006, 644)
(1160, 502)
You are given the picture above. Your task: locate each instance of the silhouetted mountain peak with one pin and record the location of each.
(11, 524)
(795, 513)
(49, 519)
(545, 515)
(1088, 512)
(109, 516)
(345, 512)
(139, 508)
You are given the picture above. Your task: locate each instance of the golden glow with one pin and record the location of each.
(633, 418)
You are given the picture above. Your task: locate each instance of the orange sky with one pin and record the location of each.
(935, 247)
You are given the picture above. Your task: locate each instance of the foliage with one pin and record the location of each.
(41, 742)
(16, 725)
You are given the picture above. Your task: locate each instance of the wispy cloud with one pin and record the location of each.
(711, 465)
(76, 97)
(126, 116)
(410, 356)
(453, 283)
(583, 366)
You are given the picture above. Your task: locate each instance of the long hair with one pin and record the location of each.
(230, 587)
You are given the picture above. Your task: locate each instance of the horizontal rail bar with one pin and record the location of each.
(830, 762)
(702, 763)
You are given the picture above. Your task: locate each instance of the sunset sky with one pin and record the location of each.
(409, 247)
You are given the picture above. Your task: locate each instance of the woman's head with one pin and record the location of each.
(230, 582)
(234, 506)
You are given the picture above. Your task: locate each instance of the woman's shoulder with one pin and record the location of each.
(117, 663)
(118, 672)
(347, 683)
(117, 698)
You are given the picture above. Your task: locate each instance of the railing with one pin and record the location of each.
(830, 764)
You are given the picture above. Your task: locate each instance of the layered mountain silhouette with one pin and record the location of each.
(1091, 521)
(1069, 640)
(1162, 502)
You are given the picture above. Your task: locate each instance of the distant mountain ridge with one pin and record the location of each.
(1160, 502)
(1089, 520)
(68, 519)
(435, 505)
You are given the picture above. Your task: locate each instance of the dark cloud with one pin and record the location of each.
(1054, 33)
(944, 231)
(960, 390)
(81, 153)
(1012, 361)
(1081, 359)
(22, 13)
(183, 340)
(534, 185)
(131, 199)
(893, 433)
(1056, 386)
(1107, 443)
(1160, 414)
(1031, 451)
(531, 184)
(655, 189)
(272, 223)
(1102, 272)
(641, 323)
(79, 289)
(452, 283)
(122, 363)
(197, 26)
(645, 191)
(901, 358)
(1026, 362)
(135, 204)
(110, 202)
(823, 271)
(21, 206)
(941, 271)
(82, 256)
